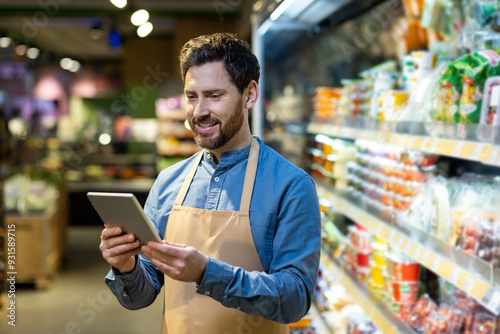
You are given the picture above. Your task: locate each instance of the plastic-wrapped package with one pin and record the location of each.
(422, 309)
(448, 320)
(421, 108)
(462, 84)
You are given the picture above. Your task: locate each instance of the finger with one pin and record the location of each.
(121, 240)
(165, 268)
(165, 242)
(110, 232)
(122, 249)
(167, 249)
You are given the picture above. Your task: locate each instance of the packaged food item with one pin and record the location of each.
(405, 292)
(491, 101)
(484, 323)
(406, 270)
(363, 258)
(402, 310)
(377, 275)
(390, 104)
(447, 320)
(422, 309)
(462, 82)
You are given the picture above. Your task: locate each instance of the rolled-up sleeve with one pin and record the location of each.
(138, 288)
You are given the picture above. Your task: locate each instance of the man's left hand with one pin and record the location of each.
(180, 262)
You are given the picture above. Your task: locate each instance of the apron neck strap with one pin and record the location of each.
(187, 182)
(253, 159)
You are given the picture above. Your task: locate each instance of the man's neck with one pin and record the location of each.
(231, 146)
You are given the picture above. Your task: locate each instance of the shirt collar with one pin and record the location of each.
(228, 159)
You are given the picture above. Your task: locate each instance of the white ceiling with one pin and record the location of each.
(63, 26)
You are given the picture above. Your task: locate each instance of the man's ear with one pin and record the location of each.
(252, 93)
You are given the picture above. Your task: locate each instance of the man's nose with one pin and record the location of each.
(201, 108)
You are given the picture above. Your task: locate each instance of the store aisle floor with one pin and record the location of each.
(78, 300)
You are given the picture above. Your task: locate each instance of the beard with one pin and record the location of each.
(227, 131)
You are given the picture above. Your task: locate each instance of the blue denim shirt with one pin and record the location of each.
(285, 224)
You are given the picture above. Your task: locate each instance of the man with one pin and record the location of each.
(240, 224)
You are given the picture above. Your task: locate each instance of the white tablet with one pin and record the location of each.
(124, 210)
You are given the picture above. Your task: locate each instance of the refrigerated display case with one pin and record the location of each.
(377, 70)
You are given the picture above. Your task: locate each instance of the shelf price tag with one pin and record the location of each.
(430, 260)
(494, 303)
(468, 150)
(469, 285)
(446, 147)
(423, 256)
(454, 276)
(389, 138)
(485, 152)
(436, 266)
(407, 141)
(416, 252)
(458, 149)
(415, 142)
(396, 140)
(404, 244)
(462, 280)
(477, 151)
(493, 156)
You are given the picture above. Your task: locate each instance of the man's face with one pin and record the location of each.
(214, 106)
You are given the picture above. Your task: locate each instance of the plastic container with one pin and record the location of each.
(422, 309)
(363, 258)
(363, 274)
(406, 271)
(377, 275)
(379, 255)
(376, 289)
(405, 292)
(402, 310)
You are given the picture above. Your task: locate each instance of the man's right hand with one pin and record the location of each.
(119, 250)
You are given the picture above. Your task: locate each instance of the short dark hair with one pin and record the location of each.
(236, 54)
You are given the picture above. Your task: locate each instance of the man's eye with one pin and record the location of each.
(215, 96)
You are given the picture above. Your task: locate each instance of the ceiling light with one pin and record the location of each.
(21, 49)
(119, 3)
(33, 53)
(139, 17)
(66, 63)
(258, 5)
(5, 42)
(75, 66)
(144, 29)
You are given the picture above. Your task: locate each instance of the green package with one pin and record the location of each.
(461, 94)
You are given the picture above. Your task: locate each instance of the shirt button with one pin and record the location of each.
(124, 294)
(208, 156)
(207, 293)
(217, 179)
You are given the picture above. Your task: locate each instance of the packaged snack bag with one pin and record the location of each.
(462, 82)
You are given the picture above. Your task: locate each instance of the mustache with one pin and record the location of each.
(203, 119)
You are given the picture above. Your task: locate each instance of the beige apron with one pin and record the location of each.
(223, 235)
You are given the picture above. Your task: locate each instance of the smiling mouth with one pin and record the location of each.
(206, 125)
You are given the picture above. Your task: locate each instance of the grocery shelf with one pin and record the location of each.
(385, 320)
(471, 274)
(471, 142)
(133, 185)
(318, 320)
